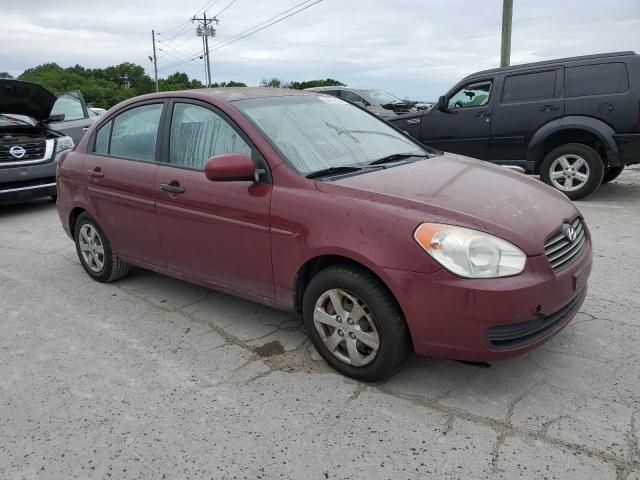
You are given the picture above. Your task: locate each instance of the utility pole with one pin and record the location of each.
(205, 30)
(155, 58)
(507, 17)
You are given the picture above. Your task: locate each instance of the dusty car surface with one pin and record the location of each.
(29, 143)
(305, 202)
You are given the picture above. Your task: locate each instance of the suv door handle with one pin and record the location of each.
(483, 114)
(173, 187)
(95, 173)
(549, 108)
(84, 129)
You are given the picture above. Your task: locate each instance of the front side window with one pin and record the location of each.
(197, 134)
(70, 106)
(381, 97)
(312, 133)
(352, 97)
(135, 132)
(472, 95)
(529, 87)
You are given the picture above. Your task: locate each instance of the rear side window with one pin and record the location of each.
(135, 131)
(529, 87)
(598, 79)
(197, 134)
(102, 139)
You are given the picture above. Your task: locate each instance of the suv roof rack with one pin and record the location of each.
(551, 62)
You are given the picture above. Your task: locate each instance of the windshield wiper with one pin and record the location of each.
(325, 172)
(394, 157)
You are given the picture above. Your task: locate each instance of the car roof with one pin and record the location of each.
(242, 93)
(339, 87)
(557, 61)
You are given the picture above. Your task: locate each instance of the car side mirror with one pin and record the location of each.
(231, 167)
(442, 105)
(55, 117)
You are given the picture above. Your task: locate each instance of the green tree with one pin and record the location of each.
(272, 83)
(328, 82)
(6, 75)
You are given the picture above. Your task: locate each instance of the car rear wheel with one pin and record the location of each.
(611, 174)
(355, 323)
(574, 169)
(94, 250)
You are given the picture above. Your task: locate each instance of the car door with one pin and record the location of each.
(217, 232)
(527, 102)
(121, 166)
(77, 118)
(464, 126)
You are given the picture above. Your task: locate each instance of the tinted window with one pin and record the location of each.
(472, 95)
(197, 134)
(532, 86)
(596, 79)
(352, 97)
(135, 132)
(102, 139)
(70, 105)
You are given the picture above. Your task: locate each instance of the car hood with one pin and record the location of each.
(25, 98)
(462, 191)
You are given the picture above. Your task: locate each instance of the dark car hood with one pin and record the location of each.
(25, 98)
(466, 192)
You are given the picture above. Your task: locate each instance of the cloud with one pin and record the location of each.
(415, 49)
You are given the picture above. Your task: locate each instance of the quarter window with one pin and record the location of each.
(135, 133)
(197, 134)
(604, 78)
(529, 87)
(102, 139)
(472, 95)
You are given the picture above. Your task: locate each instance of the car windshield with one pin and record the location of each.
(380, 97)
(7, 120)
(313, 133)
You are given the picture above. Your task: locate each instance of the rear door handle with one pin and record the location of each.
(95, 173)
(549, 108)
(171, 188)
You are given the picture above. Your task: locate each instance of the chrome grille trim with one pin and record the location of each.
(49, 145)
(560, 251)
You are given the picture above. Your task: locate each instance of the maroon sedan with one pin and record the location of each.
(307, 203)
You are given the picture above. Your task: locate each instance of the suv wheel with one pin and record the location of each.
(574, 169)
(611, 174)
(355, 323)
(94, 250)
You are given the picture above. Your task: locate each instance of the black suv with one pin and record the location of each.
(573, 121)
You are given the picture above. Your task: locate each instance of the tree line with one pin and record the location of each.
(105, 87)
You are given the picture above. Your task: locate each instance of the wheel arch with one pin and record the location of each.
(574, 129)
(73, 218)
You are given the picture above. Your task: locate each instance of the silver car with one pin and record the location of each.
(377, 101)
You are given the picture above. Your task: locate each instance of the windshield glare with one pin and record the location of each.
(7, 119)
(380, 97)
(313, 133)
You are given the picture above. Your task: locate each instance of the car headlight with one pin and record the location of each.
(63, 143)
(470, 253)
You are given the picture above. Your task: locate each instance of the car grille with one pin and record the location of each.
(521, 334)
(560, 250)
(33, 151)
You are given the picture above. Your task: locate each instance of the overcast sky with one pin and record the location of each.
(413, 48)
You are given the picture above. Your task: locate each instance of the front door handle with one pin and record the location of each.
(84, 129)
(549, 108)
(171, 187)
(95, 173)
(483, 114)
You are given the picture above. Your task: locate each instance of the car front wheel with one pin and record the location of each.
(94, 250)
(574, 169)
(355, 323)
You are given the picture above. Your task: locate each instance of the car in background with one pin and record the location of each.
(378, 102)
(573, 121)
(305, 202)
(31, 139)
(98, 111)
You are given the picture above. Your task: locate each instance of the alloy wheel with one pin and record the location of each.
(346, 326)
(569, 173)
(91, 248)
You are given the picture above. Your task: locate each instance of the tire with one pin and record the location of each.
(588, 175)
(103, 264)
(379, 316)
(54, 198)
(611, 174)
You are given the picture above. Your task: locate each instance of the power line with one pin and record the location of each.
(241, 36)
(228, 5)
(175, 64)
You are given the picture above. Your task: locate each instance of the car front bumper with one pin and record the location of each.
(26, 182)
(490, 319)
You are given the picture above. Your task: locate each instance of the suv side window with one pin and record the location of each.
(134, 133)
(352, 97)
(197, 134)
(597, 79)
(529, 87)
(471, 95)
(69, 105)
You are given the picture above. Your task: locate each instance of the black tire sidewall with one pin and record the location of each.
(593, 159)
(105, 274)
(611, 174)
(389, 322)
